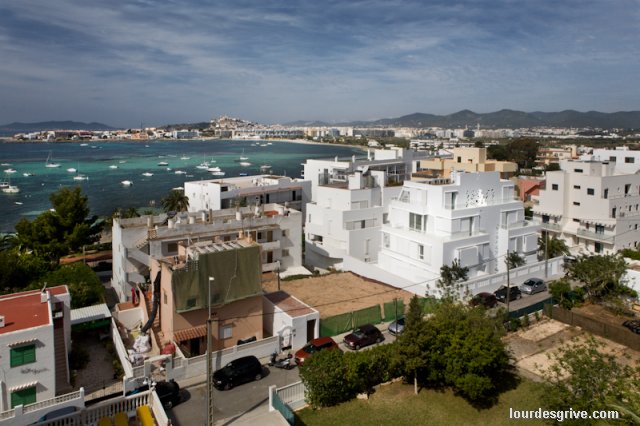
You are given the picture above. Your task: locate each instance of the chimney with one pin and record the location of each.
(150, 221)
(44, 296)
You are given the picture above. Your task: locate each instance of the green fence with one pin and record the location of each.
(530, 309)
(342, 323)
(393, 310)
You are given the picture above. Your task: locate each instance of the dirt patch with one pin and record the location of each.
(601, 313)
(337, 293)
(532, 347)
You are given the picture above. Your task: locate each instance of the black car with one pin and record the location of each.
(501, 293)
(238, 371)
(488, 300)
(168, 392)
(633, 325)
(364, 335)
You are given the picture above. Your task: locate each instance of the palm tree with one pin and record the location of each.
(175, 201)
(557, 247)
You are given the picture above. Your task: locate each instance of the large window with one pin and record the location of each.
(416, 222)
(23, 397)
(420, 252)
(23, 355)
(629, 160)
(554, 186)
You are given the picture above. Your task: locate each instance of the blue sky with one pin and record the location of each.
(159, 62)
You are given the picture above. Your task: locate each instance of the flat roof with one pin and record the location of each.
(90, 313)
(289, 304)
(25, 310)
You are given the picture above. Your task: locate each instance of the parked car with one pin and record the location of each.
(238, 371)
(168, 392)
(501, 293)
(488, 300)
(396, 327)
(364, 335)
(533, 286)
(313, 346)
(633, 325)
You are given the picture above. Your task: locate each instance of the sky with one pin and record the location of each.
(126, 63)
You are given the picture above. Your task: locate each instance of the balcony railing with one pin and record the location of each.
(596, 236)
(548, 226)
(518, 224)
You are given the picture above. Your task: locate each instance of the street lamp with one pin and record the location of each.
(209, 373)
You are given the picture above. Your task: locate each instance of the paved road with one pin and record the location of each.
(230, 405)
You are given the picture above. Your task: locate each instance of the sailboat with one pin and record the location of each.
(79, 176)
(50, 164)
(243, 157)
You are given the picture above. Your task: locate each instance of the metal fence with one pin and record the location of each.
(280, 406)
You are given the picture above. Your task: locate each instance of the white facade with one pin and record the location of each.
(345, 219)
(591, 207)
(276, 228)
(287, 317)
(472, 217)
(218, 194)
(625, 160)
(29, 319)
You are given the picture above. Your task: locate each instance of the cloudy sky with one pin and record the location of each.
(156, 62)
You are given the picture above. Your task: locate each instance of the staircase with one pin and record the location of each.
(62, 371)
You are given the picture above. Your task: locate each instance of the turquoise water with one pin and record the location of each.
(104, 188)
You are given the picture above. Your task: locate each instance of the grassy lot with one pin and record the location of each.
(396, 404)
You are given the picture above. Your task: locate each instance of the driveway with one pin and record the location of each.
(232, 405)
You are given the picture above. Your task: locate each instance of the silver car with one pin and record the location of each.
(396, 327)
(533, 286)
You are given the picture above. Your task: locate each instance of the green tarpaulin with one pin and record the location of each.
(236, 273)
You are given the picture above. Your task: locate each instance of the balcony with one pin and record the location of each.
(548, 226)
(270, 246)
(518, 224)
(596, 236)
(270, 267)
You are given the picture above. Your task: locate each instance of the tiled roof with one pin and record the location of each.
(190, 333)
(25, 310)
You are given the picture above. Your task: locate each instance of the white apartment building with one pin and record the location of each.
(591, 207)
(35, 339)
(472, 217)
(135, 241)
(346, 217)
(625, 160)
(217, 194)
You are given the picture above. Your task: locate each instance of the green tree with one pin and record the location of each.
(583, 377)
(451, 279)
(523, 151)
(561, 292)
(84, 285)
(514, 260)
(412, 342)
(602, 275)
(18, 269)
(176, 201)
(324, 376)
(557, 247)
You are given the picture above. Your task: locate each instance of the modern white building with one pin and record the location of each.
(592, 207)
(35, 339)
(218, 194)
(472, 217)
(276, 228)
(625, 160)
(345, 218)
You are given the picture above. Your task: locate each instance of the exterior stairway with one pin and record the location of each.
(62, 373)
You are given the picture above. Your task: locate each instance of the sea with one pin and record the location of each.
(107, 163)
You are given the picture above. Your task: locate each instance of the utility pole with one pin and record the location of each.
(395, 302)
(508, 285)
(546, 254)
(209, 372)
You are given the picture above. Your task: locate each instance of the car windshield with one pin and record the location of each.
(309, 348)
(358, 333)
(529, 282)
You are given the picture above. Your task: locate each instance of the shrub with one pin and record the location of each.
(525, 321)
(537, 316)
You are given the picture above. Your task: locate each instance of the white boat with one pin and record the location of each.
(265, 168)
(27, 174)
(50, 164)
(180, 172)
(5, 164)
(269, 143)
(177, 188)
(11, 189)
(81, 177)
(184, 157)
(163, 163)
(126, 183)
(243, 174)
(122, 161)
(147, 174)
(84, 144)
(243, 157)
(10, 171)
(214, 169)
(203, 166)
(113, 166)
(18, 203)
(72, 170)
(4, 184)
(245, 163)
(218, 173)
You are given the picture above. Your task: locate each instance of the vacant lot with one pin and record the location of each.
(396, 404)
(338, 293)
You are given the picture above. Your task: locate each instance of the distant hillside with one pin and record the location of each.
(51, 125)
(508, 119)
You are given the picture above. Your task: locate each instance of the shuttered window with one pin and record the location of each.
(23, 397)
(23, 355)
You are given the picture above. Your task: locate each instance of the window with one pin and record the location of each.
(606, 193)
(172, 247)
(226, 331)
(22, 355)
(578, 170)
(627, 187)
(23, 397)
(590, 191)
(420, 252)
(191, 303)
(259, 236)
(613, 212)
(415, 222)
(554, 187)
(576, 220)
(459, 159)
(576, 203)
(165, 297)
(599, 229)
(612, 159)
(629, 160)
(576, 186)
(285, 252)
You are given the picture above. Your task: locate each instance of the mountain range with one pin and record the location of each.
(503, 119)
(17, 127)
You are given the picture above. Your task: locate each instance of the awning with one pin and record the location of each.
(24, 386)
(190, 333)
(23, 342)
(90, 313)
